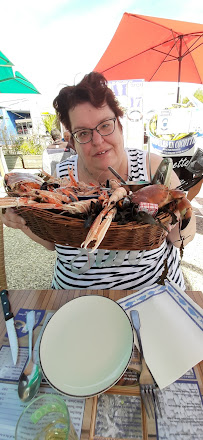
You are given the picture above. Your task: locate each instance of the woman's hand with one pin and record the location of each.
(177, 236)
(12, 220)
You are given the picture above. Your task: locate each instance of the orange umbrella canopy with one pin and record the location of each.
(154, 49)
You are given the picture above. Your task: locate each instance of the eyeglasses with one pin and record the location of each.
(85, 135)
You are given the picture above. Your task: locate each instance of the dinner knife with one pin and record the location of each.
(9, 319)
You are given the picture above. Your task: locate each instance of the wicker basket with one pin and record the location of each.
(71, 231)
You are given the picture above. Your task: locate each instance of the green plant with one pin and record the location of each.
(32, 145)
(50, 121)
(185, 100)
(9, 141)
(199, 94)
(14, 144)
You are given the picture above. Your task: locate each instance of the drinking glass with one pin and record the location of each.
(45, 418)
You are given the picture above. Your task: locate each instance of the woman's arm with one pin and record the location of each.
(12, 220)
(179, 237)
(176, 235)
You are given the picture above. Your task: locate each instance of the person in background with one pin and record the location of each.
(62, 144)
(57, 139)
(67, 138)
(60, 150)
(67, 135)
(92, 114)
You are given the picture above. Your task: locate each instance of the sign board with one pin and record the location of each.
(179, 147)
(175, 133)
(130, 96)
(179, 120)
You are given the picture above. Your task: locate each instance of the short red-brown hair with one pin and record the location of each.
(92, 88)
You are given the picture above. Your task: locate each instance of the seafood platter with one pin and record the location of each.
(107, 216)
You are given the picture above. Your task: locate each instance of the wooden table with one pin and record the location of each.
(53, 300)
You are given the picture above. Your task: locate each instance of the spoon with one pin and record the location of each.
(116, 174)
(30, 378)
(129, 185)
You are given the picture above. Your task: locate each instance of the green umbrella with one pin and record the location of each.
(11, 82)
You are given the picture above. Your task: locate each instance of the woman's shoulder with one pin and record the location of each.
(136, 152)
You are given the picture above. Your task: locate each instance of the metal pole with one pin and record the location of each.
(179, 66)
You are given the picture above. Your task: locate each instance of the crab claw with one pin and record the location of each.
(185, 208)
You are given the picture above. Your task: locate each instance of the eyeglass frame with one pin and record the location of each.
(95, 128)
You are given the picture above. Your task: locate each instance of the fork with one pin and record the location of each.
(148, 386)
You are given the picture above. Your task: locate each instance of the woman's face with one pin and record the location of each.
(101, 151)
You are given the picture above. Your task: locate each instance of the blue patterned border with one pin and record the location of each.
(145, 294)
(189, 375)
(185, 305)
(139, 297)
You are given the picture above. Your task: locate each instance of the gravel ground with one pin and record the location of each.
(30, 266)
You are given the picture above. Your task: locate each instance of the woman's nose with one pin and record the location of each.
(97, 139)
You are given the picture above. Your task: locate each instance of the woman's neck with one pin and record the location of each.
(100, 177)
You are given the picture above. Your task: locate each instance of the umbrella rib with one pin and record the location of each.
(167, 54)
(187, 52)
(189, 49)
(14, 78)
(144, 51)
(156, 50)
(134, 56)
(6, 79)
(174, 45)
(26, 85)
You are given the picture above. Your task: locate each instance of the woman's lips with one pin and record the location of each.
(101, 153)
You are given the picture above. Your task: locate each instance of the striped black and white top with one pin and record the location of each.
(103, 269)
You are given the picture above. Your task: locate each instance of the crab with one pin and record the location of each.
(163, 196)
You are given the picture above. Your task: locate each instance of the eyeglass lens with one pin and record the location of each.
(104, 129)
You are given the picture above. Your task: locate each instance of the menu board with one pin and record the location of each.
(118, 417)
(182, 410)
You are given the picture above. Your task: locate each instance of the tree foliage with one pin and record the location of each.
(199, 94)
(50, 122)
(185, 100)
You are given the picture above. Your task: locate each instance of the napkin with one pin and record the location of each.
(171, 330)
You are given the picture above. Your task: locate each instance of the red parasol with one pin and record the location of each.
(154, 49)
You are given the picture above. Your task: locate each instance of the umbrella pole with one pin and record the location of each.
(178, 93)
(179, 66)
(149, 158)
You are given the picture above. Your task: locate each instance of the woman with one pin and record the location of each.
(92, 114)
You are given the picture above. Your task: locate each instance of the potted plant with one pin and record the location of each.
(11, 144)
(22, 152)
(31, 150)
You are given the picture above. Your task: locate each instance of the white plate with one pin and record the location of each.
(86, 346)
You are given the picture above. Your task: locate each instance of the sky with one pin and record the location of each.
(56, 42)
